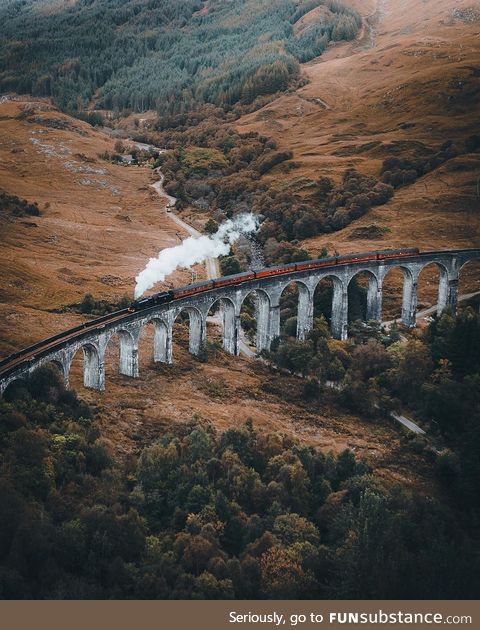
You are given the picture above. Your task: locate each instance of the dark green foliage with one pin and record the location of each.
(357, 301)
(457, 339)
(211, 226)
(311, 389)
(92, 118)
(89, 305)
(13, 205)
(357, 194)
(319, 356)
(271, 159)
(172, 56)
(364, 386)
(402, 547)
(230, 265)
(401, 171)
(436, 378)
(201, 515)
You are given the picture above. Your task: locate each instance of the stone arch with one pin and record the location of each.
(93, 368)
(338, 313)
(128, 351)
(442, 292)
(470, 260)
(228, 318)
(196, 333)
(262, 316)
(408, 293)
(304, 307)
(373, 307)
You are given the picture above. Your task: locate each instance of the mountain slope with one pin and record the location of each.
(410, 83)
(156, 53)
(98, 221)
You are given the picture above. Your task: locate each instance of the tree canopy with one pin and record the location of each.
(171, 56)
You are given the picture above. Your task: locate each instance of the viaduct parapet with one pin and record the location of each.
(94, 341)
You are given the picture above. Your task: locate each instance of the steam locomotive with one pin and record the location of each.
(201, 287)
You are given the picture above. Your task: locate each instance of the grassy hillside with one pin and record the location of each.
(158, 54)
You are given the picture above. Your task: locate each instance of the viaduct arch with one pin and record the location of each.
(268, 290)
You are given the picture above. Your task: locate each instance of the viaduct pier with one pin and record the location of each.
(93, 338)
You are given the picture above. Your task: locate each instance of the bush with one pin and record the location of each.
(271, 159)
(90, 306)
(17, 207)
(211, 227)
(311, 389)
(230, 265)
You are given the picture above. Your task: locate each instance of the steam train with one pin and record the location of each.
(42, 347)
(239, 278)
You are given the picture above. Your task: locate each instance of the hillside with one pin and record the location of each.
(172, 56)
(95, 243)
(405, 87)
(98, 221)
(83, 243)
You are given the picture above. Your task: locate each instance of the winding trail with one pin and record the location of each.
(211, 264)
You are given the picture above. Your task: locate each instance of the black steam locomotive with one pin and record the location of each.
(153, 300)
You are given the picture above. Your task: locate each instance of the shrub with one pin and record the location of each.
(271, 159)
(230, 265)
(16, 206)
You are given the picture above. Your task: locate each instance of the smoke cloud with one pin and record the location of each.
(194, 250)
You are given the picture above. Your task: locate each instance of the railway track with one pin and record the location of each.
(77, 333)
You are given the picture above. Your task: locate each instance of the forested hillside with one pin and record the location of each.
(247, 514)
(161, 54)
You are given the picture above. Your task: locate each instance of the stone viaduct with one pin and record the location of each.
(93, 341)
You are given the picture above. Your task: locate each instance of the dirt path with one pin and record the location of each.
(211, 264)
(370, 26)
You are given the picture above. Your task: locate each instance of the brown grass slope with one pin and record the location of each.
(93, 237)
(411, 79)
(99, 222)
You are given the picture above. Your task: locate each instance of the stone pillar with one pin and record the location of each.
(452, 295)
(230, 329)
(237, 333)
(273, 325)
(442, 290)
(305, 312)
(197, 330)
(128, 365)
(447, 293)
(340, 310)
(65, 361)
(268, 321)
(409, 303)
(162, 345)
(374, 299)
(93, 368)
(66, 377)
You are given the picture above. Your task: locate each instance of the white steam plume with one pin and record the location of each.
(194, 250)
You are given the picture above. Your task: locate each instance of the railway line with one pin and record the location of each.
(28, 357)
(58, 341)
